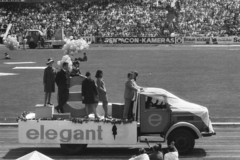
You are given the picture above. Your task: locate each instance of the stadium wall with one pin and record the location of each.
(164, 40)
(24, 1)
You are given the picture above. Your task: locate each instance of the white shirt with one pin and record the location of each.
(141, 157)
(171, 156)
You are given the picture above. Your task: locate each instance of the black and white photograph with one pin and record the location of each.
(120, 79)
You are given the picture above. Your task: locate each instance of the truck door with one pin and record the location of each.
(154, 115)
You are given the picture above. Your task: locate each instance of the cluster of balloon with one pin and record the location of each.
(70, 49)
(11, 43)
(76, 45)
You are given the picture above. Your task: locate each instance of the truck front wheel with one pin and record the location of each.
(73, 148)
(184, 140)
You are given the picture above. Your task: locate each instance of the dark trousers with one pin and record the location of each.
(63, 94)
(130, 112)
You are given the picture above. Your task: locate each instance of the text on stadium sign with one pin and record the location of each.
(135, 40)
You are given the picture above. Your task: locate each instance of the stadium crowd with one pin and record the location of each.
(122, 18)
(209, 17)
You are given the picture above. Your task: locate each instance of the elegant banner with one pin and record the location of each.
(55, 132)
(136, 40)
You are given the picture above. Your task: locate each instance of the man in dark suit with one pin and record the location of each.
(62, 81)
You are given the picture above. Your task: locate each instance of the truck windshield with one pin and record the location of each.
(153, 103)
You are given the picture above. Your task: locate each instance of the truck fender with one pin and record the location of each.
(186, 125)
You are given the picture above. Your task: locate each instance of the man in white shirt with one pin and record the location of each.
(172, 153)
(142, 155)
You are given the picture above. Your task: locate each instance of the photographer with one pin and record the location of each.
(172, 152)
(157, 153)
(142, 155)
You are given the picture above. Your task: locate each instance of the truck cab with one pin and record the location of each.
(173, 119)
(34, 36)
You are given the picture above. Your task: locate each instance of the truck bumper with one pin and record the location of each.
(207, 134)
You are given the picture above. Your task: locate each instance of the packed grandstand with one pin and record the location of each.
(125, 18)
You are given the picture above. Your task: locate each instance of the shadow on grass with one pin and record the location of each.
(196, 153)
(88, 153)
(92, 153)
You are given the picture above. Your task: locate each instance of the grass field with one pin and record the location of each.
(206, 76)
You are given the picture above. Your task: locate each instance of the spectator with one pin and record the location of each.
(136, 18)
(172, 152)
(84, 57)
(157, 153)
(7, 56)
(142, 155)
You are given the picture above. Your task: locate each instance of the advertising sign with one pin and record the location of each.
(190, 40)
(202, 40)
(179, 40)
(196, 40)
(210, 40)
(56, 132)
(224, 40)
(236, 40)
(137, 40)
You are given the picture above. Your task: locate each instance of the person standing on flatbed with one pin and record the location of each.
(102, 91)
(90, 95)
(49, 81)
(62, 81)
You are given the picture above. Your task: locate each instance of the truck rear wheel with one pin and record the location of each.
(73, 148)
(184, 140)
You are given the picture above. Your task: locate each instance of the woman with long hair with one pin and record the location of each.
(102, 92)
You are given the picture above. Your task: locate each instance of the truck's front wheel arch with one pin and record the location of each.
(73, 148)
(184, 140)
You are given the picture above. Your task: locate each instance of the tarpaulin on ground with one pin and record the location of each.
(35, 155)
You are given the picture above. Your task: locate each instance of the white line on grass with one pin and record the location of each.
(18, 62)
(8, 74)
(234, 49)
(30, 67)
(215, 45)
